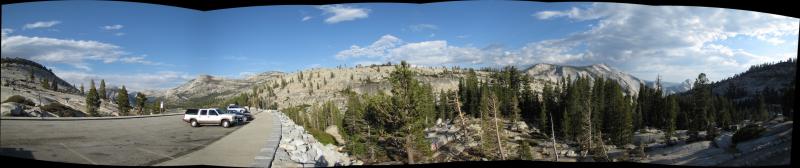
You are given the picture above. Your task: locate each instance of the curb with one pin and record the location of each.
(267, 154)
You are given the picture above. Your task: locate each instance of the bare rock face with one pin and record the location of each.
(550, 72)
(12, 109)
(334, 131)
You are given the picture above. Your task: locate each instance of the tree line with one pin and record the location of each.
(579, 110)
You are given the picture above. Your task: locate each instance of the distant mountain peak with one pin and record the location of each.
(552, 72)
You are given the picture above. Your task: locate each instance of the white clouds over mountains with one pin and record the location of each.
(675, 42)
(67, 51)
(635, 37)
(342, 13)
(136, 82)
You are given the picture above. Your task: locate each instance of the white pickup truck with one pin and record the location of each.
(211, 116)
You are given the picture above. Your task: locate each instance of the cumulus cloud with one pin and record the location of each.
(633, 37)
(342, 13)
(41, 24)
(376, 49)
(436, 52)
(113, 27)
(133, 82)
(674, 42)
(66, 51)
(306, 18)
(391, 48)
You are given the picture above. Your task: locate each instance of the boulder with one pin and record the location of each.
(520, 126)
(439, 121)
(289, 147)
(334, 131)
(630, 146)
(571, 153)
(297, 157)
(297, 142)
(11, 108)
(537, 156)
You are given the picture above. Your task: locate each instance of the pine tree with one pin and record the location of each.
(82, 92)
(491, 138)
(30, 76)
(102, 90)
(123, 104)
(409, 110)
(156, 107)
(354, 126)
(672, 109)
(92, 100)
(701, 95)
(598, 102)
(141, 99)
(515, 110)
(45, 83)
(524, 151)
(54, 85)
(442, 106)
(619, 118)
(543, 107)
(761, 108)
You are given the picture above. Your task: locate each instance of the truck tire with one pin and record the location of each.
(194, 123)
(226, 123)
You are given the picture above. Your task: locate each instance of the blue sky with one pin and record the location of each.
(147, 46)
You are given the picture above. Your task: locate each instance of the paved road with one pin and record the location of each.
(252, 145)
(135, 142)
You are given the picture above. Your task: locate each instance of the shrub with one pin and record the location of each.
(19, 99)
(62, 110)
(321, 136)
(747, 133)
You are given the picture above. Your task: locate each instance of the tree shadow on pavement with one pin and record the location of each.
(17, 152)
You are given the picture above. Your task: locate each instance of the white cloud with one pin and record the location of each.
(7, 31)
(391, 48)
(675, 42)
(376, 49)
(41, 24)
(681, 39)
(119, 34)
(342, 13)
(434, 53)
(423, 27)
(133, 82)
(113, 27)
(66, 51)
(306, 18)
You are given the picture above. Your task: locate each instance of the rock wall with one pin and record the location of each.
(302, 149)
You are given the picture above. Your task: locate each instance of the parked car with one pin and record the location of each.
(246, 115)
(210, 116)
(236, 108)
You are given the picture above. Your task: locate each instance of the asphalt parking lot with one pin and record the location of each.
(131, 142)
